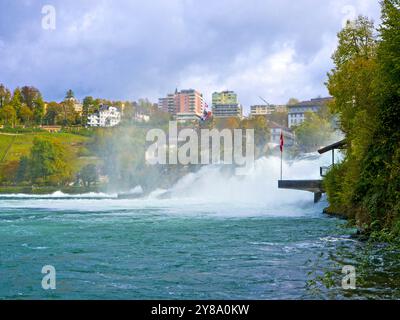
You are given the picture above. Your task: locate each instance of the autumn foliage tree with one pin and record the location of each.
(365, 84)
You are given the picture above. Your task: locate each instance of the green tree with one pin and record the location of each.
(22, 173)
(69, 116)
(8, 115)
(366, 86)
(379, 183)
(90, 105)
(32, 97)
(16, 100)
(313, 133)
(53, 113)
(69, 95)
(352, 84)
(357, 39)
(25, 115)
(38, 109)
(89, 174)
(49, 162)
(28, 95)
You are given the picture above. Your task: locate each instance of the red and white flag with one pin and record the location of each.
(282, 142)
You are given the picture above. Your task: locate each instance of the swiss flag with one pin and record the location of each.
(282, 142)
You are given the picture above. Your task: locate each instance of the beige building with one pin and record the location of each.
(78, 106)
(263, 110)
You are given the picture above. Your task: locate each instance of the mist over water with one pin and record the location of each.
(258, 186)
(211, 190)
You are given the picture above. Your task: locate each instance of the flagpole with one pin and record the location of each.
(281, 162)
(281, 147)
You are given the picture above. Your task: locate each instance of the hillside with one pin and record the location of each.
(14, 146)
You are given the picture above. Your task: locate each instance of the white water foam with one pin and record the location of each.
(208, 191)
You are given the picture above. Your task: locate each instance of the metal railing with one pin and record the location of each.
(324, 170)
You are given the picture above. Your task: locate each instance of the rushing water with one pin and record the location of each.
(214, 237)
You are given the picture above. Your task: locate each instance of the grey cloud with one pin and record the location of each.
(132, 49)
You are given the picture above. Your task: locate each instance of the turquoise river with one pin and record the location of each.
(226, 238)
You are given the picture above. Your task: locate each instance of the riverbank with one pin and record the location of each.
(48, 189)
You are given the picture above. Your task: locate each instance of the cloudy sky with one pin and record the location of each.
(130, 49)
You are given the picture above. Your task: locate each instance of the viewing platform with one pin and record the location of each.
(314, 186)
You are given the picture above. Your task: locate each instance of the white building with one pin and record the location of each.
(106, 117)
(297, 112)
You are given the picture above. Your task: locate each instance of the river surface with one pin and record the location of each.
(214, 237)
(146, 249)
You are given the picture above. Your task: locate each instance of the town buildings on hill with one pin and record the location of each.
(225, 104)
(266, 109)
(184, 105)
(297, 112)
(107, 116)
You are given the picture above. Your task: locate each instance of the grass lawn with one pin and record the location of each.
(13, 147)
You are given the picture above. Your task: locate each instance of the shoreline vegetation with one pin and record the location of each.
(365, 85)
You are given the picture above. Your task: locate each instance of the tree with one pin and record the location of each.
(89, 174)
(53, 113)
(32, 97)
(25, 115)
(228, 123)
(357, 39)
(5, 96)
(22, 173)
(351, 82)
(28, 95)
(389, 70)
(365, 84)
(38, 109)
(313, 133)
(379, 183)
(69, 95)
(144, 106)
(49, 162)
(69, 115)
(128, 111)
(89, 106)
(16, 100)
(8, 171)
(8, 115)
